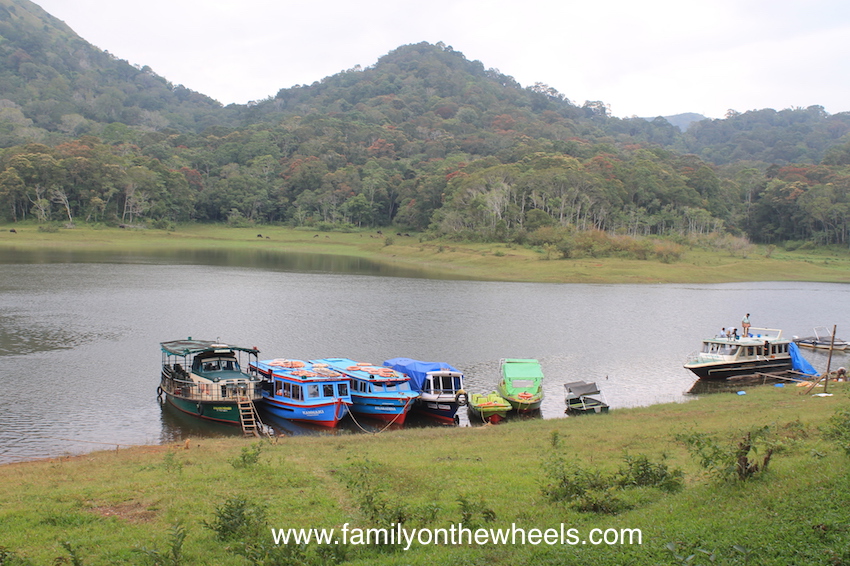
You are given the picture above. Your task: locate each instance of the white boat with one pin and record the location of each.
(762, 350)
(822, 340)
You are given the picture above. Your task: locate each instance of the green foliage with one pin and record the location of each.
(471, 512)
(738, 460)
(239, 519)
(838, 429)
(10, 558)
(249, 456)
(639, 471)
(378, 508)
(174, 555)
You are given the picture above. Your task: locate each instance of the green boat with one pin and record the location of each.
(489, 408)
(214, 387)
(521, 384)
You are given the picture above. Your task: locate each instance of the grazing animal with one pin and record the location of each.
(259, 235)
(398, 233)
(315, 235)
(406, 234)
(381, 233)
(13, 231)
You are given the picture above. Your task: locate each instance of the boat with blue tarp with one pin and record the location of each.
(208, 379)
(440, 386)
(376, 392)
(302, 391)
(762, 350)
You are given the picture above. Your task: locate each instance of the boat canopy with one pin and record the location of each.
(577, 389)
(798, 362)
(190, 347)
(522, 369)
(416, 370)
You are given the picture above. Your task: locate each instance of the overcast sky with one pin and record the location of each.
(643, 58)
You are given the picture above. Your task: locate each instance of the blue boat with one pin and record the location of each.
(376, 392)
(440, 387)
(302, 391)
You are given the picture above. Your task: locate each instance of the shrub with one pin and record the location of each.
(238, 519)
(837, 429)
(737, 460)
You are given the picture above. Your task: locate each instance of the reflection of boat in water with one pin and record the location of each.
(214, 387)
(822, 340)
(301, 391)
(584, 398)
(440, 386)
(521, 383)
(762, 350)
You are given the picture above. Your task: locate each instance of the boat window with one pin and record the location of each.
(750, 350)
(328, 390)
(707, 348)
(229, 365)
(729, 350)
(404, 386)
(313, 390)
(211, 366)
(391, 386)
(342, 390)
(278, 388)
(297, 393)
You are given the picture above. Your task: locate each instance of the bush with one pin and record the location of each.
(239, 519)
(838, 429)
(737, 460)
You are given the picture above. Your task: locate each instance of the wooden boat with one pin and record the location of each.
(521, 383)
(440, 387)
(762, 350)
(376, 392)
(300, 391)
(583, 398)
(215, 386)
(488, 408)
(822, 340)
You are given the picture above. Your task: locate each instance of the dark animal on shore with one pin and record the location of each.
(13, 231)
(259, 235)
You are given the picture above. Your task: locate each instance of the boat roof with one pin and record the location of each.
(191, 347)
(579, 388)
(361, 370)
(418, 371)
(757, 336)
(299, 370)
(519, 368)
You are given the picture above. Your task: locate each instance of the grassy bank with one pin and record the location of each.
(212, 501)
(450, 259)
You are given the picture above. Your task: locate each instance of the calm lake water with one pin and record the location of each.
(80, 334)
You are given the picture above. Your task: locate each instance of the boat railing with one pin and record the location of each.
(188, 389)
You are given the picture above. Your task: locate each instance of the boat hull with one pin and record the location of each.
(441, 409)
(487, 414)
(218, 411)
(733, 369)
(381, 408)
(519, 404)
(325, 414)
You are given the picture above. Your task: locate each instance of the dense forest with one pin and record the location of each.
(424, 139)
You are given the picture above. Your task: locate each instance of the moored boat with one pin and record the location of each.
(301, 391)
(822, 340)
(487, 407)
(583, 398)
(440, 387)
(206, 379)
(761, 350)
(521, 383)
(376, 392)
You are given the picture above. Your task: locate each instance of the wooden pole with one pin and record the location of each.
(829, 359)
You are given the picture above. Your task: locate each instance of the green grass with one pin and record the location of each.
(485, 261)
(125, 506)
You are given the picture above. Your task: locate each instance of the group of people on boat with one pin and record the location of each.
(732, 333)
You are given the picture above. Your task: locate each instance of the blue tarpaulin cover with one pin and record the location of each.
(798, 362)
(417, 371)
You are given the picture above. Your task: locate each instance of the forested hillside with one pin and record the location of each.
(424, 138)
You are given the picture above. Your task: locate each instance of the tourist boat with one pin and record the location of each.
(301, 391)
(583, 398)
(762, 350)
(376, 392)
(206, 379)
(521, 383)
(440, 387)
(488, 407)
(822, 340)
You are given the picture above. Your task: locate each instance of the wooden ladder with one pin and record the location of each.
(249, 418)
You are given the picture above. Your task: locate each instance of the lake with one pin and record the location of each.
(80, 333)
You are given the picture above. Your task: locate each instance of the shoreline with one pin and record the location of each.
(442, 258)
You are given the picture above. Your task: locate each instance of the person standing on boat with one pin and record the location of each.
(745, 324)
